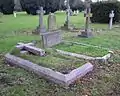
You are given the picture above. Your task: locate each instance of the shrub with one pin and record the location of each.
(31, 6)
(101, 10)
(7, 6)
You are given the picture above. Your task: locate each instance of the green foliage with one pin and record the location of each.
(101, 11)
(7, 6)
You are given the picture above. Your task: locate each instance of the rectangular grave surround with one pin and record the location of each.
(51, 38)
(47, 73)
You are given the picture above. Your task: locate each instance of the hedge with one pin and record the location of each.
(101, 10)
(7, 6)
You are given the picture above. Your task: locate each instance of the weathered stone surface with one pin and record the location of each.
(75, 55)
(34, 50)
(78, 73)
(111, 16)
(52, 22)
(87, 32)
(103, 59)
(21, 45)
(57, 77)
(47, 73)
(30, 47)
(50, 39)
(41, 28)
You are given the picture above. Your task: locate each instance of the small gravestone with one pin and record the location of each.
(87, 32)
(52, 22)
(111, 16)
(15, 14)
(50, 39)
(41, 28)
(77, 11)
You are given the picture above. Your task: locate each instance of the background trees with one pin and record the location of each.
(31, 6)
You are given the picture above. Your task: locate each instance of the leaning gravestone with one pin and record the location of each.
(50, 39)
(52, 22)
(87, 32)
(111, 16)
(41, 28)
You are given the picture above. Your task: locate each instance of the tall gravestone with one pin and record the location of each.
(67, 22)
(111, 16)
(87, 32)
(52, 22)
(41, 28)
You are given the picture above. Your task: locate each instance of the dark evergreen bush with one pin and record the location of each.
(101, 10)
(7, 6)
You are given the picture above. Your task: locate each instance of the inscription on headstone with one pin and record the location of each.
(52, 22)
(50, 39)
(111, 16)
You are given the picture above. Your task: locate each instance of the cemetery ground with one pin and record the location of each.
(104, 80)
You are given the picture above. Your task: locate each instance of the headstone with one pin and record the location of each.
(67, 22)
(50, 39)
(77, 11)
(15, 14)
(74, 14)
(111, 16)
(87, 32)
(51, 22)
(41, 28)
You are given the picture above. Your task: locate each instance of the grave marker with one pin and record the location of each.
(15, 14)
(52, 22)
(111, 16)
(50, 39)
(67, 22)
(87, 32)
(41, 28)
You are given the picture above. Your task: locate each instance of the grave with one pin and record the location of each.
(111, 16)
(41, 28)
(15, 14)
(64, 79)
(71, 49)
(30, 48)
(51, 22)
(87, 32)
(50, 39)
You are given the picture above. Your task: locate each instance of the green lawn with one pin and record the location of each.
(104, 81)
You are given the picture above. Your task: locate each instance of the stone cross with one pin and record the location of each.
(87, 32)
(52, 22)
(67, 22)
(41, 25)
(111, 16)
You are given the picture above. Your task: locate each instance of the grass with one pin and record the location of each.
(79, 49)
(52, 60)
(103, 81)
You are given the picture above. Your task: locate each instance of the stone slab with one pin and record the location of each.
(57, 77)
(31, 48)
(50, 39)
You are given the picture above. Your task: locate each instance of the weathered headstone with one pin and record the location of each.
(52, 22)
(41, 28)
(67, 22)
(87, 32)
(111, 16)
(15, 14)
(50, 39)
